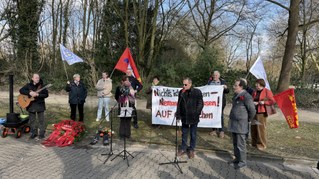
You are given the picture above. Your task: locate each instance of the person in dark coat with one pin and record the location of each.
(137, 86)
(216, 80)
(243, 110)
(125, 96)
(189, 107)
(36, 107)
(77, 96)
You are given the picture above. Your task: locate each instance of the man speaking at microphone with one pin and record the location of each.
(189, 107)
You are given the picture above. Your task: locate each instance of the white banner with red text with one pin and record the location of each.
(164, 103)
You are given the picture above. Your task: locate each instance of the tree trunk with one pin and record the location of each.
(286, 67)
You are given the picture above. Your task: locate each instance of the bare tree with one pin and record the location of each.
(293, 28)
(212, 19)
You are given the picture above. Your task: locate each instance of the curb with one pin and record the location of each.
(228, 155)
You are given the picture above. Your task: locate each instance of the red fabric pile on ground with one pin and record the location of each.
(65, 133)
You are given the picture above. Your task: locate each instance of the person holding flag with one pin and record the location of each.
(127, 65)
(77, 95)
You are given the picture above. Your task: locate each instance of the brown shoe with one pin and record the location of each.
(221, 134)
(261, 148)
(191, 154)
(180, 153)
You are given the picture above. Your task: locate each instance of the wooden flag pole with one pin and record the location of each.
(66, 73)
(112, 73)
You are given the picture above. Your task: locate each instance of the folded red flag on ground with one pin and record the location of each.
(287, 103)
(66, 133)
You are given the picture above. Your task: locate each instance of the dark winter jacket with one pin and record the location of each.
(135, 83)
(226, 90)
(189, 106)
(38, 105)
(77, 93)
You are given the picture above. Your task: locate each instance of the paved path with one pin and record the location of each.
(20, 158)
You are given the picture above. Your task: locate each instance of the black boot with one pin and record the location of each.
(106, 139)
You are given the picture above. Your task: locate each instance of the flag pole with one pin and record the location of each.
(112, 73)
(247, 75)
(66, 73)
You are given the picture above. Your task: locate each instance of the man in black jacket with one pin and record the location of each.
(36, 107)
(77, 96)
(137, 86)
(189, 107)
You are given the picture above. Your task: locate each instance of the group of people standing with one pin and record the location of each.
(77, 95)
(248, 105)
(248, 115)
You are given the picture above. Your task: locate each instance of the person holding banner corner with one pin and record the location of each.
(189, 107)
(217, 80)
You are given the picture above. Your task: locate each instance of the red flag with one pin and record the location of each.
(125, 62)
(287, 103)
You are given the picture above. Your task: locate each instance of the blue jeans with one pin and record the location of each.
(103, 102)
(193, 131)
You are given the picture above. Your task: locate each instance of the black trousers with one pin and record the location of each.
(134, 113)
(37, 124)
(73, 111)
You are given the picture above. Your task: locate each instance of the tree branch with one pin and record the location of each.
(308, 24)
(277, 3)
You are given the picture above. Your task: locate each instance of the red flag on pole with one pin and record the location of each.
(287, 103)
(126, 62)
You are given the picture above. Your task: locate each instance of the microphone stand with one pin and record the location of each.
(111, 138)
(176, 161)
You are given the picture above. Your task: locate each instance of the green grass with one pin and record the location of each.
(282, 141)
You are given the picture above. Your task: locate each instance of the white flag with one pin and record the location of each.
(69, 56)
(259, 72)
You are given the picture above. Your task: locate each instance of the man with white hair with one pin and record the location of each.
(77, 96)
(216, 80)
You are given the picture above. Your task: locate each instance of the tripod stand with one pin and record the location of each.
(126, 113)
(111, 138)
(176, 161)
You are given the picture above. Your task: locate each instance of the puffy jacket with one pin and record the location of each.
(189, 106)
(77, 93)
(38, 105)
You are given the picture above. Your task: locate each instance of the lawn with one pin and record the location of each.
(282, 141)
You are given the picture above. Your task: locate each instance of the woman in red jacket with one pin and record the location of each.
(262, 97)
